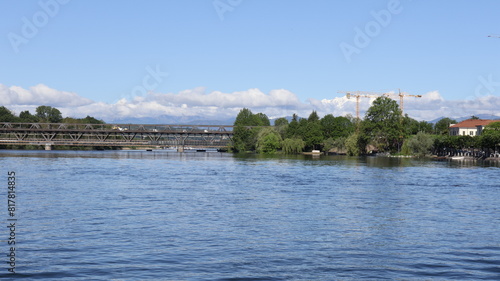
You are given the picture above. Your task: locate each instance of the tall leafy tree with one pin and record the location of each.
(244, 138)
(313, 117)
(244, 118)
(293, 145)
(490, 137)
(92, 120)
(27, 117)
(355, 144)
(260, 119)
(268, 140)
(293, 128)
(310, 131)
(410, 125)
(383, 124)
(280, 122)
(49, 114)
(281, 125)
(442, 126)
(6, 115)
(338, 144)
(336, 127)
(420, 144)
(492, 129)
(425, 127)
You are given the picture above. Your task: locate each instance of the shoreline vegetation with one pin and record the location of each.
(382, 131)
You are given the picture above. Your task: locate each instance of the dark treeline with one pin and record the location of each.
(383, 129)
(44, 114)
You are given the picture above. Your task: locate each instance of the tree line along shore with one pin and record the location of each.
(44, 114)
(383, 130)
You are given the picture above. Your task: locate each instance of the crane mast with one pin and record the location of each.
(361, 94)
(402, 95)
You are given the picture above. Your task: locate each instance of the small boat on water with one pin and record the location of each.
(458, 158)
(314, 152)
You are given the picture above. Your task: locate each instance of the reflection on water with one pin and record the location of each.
(370, 161)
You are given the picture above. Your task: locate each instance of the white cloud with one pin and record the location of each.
(217, 105)
(40, 95)
(249, 98)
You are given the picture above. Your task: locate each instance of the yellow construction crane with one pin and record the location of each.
(402, 95)
(361, 94)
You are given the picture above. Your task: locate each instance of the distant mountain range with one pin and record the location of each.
(480, 116)
(199, 120)
(174, 120)
(183, 120)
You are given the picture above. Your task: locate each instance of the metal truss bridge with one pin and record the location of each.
(116, 135)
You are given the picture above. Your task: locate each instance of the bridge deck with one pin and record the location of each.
(208, 136)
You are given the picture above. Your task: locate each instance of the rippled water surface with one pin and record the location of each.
(137, 215)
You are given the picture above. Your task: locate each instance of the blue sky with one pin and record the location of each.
(147, 58)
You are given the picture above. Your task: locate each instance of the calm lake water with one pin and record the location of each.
(137, 215)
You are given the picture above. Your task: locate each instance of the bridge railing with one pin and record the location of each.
(115, 134)
(116, 127)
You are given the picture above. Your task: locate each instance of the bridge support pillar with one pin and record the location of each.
(48, 146)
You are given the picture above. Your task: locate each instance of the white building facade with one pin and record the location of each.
(471, 127)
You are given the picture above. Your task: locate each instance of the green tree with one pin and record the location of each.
(355, 144)
(260, 119)
(48, 114)
(244, 138)
(281, 125)
(6, 115)
(425, 127)
(420, 144)
(335, 127)
(293, 146)
(410, 126)
(328, 126)
(492, 129)
(490, 137)
(313, 117)
(462, 142)
(268, 141)
(383, 124)
(442, 126)
(280, 122)
(339, 144)
(92, 120)
(245, 118)
(293, 128)
(313, 136)
(27, 117)
(310, 131)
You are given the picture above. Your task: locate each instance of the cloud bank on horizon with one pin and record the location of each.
(197, 103)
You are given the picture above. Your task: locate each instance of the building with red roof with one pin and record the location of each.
(470, 127)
